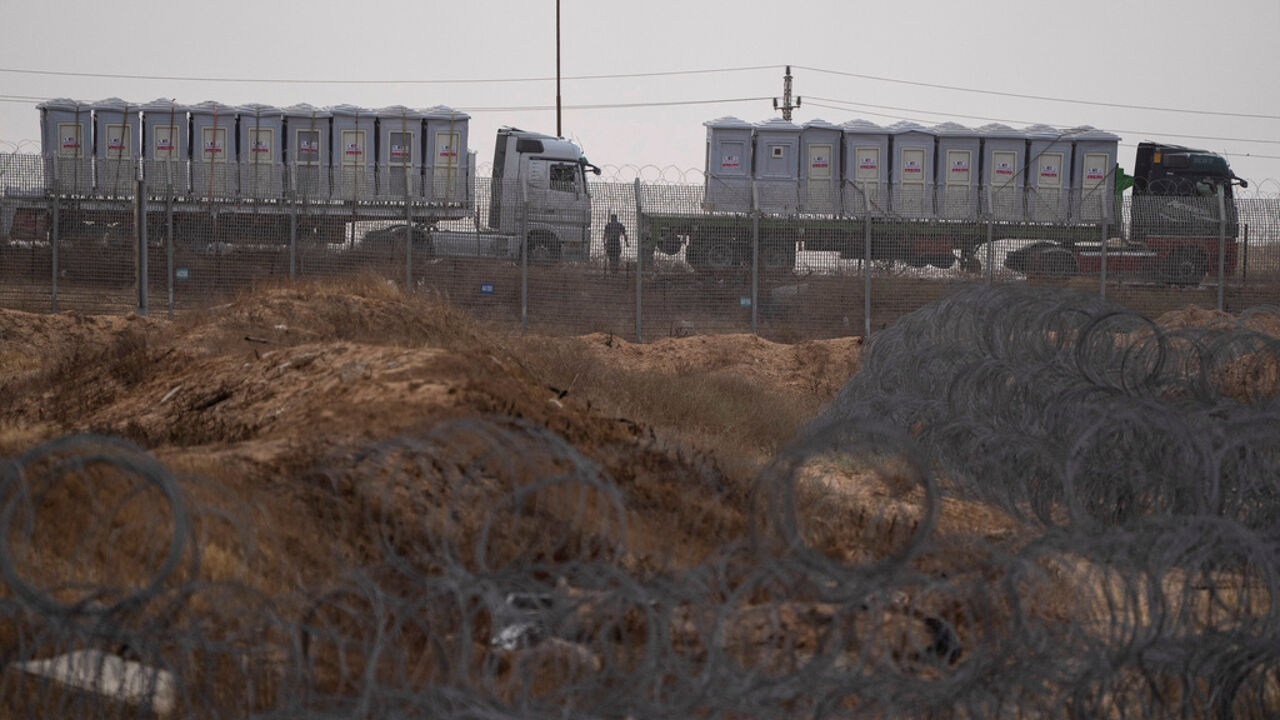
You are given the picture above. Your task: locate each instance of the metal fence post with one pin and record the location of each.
(991, 253)
(140, 232)
(866, 277)
(640, 234)
(408, 241)
(168, 245)
(1244, 265)
(1102, 244)
(1222, 245)
(53, 245)
(293, 239)
(1102, 247)
(524, 264)
(755, 270)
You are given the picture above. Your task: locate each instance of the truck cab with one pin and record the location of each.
(539, 191)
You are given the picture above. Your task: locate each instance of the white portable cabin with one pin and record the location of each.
(1048, 167)
(729, 158)
(1004, 171)
(777, 166)
(306, 151)
(959, 154)
(353, 132)
(866, 168)
(115, 156)
(912, 182)
(66, 141)
(261, 143)
(1093, 174)
(448, 171)
(820, 167)
(164, 148)
(214, 166)
(398, 153)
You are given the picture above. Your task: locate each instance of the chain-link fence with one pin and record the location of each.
(674, 264)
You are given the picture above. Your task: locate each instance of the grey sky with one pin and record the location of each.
(1217, 56)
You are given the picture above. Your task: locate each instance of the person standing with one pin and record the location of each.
(614, 234)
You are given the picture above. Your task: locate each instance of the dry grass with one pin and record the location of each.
(710, 408)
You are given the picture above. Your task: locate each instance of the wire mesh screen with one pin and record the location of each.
(646, 258)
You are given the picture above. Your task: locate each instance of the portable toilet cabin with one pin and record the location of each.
(65, 137)
(777, 166)
(353, 131)
(1093, 174)
(959, 151)
(448, 170)
(306, 151)
(912, 185)
(1004, 171)
(820, 169)
(398, 153)
(261, 143)
(164, 148)
(1048, 188)
(214, 169)
(729, 154)
(866, 168)
(115, 148)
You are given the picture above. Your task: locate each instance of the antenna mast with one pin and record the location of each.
(786, 107)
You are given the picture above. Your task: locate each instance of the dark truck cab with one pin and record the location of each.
(1176, 219)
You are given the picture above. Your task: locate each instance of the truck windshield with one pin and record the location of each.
(1190, 185)
(563, 177)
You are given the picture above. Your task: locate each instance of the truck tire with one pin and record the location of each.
(543, 247)
(720, 254)
(669, 244)
(1054, 263)
(778, 257)
(1185, 266)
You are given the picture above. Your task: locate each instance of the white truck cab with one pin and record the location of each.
(539, 189)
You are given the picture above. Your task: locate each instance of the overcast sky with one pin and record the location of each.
(1213, 57)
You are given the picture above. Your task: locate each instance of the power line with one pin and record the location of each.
(1037, 97)
(599, 106)
(329, 81)
(981, 117)
(517, 108)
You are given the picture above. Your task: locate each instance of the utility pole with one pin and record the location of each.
(558, 132)
(786, 107)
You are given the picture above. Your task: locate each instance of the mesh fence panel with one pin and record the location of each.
(691, 258)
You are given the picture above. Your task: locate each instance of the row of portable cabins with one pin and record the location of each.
(256, 151)
(1038, 174)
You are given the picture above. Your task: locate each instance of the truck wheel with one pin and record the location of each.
(669, 244)
(543, 247)
(778, 257)
(422, 243)
(719, 254)
(1186, 267)
(1055, 263)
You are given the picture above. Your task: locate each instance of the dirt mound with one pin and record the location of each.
(814, 366)
(1261, 320)
(346, 427)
